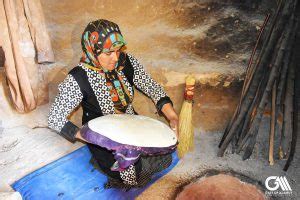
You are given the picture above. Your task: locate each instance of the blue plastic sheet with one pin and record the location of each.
(73, 177)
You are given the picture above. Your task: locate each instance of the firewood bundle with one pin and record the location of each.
(270, 80)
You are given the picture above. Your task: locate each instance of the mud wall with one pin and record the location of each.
(209, 39)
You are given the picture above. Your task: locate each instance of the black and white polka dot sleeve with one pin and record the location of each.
(143, 81)
(68, 98)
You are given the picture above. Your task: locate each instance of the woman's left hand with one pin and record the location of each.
(171, 115)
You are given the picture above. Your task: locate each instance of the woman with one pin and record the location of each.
(103, 84)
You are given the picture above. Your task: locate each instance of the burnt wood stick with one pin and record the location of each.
(236, 137)
(285, 87)
(248, 120)
(227, 128)
(258, 75)
(296, 116)
(249, 69)
(252, 111)
(264, 47)
(287, 129)
(296, 124)
(245, 128)
(256, 101)
(280, 108)
(281, 86)
(286, 134)
(282, 79)
(273, 76)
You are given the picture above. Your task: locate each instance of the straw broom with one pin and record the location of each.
(186, 129)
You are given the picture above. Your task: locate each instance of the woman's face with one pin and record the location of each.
(108, 60)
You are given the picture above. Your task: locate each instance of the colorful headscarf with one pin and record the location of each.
(99, 36)
(102, 36)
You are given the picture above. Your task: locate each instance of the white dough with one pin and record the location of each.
(134, 130)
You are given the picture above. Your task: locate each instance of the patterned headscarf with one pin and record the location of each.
(102, 36)
(99, 36)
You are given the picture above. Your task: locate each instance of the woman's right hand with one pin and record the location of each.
(79, 137)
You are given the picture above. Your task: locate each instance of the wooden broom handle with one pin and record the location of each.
(189, 88)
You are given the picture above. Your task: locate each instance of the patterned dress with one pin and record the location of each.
(88, 87)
